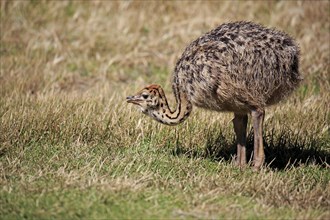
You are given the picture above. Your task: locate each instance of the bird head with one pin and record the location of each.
(147, 99)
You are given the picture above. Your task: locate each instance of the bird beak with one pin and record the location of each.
(133, 99)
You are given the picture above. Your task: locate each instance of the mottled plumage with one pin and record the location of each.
(239, 67)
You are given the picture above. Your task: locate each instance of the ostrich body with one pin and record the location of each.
(239, 67)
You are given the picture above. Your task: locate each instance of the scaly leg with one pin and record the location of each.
(240, 123)
(258, 150)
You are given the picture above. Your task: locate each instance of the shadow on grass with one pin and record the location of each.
(282, 150)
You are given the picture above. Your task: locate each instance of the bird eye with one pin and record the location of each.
(145, 96)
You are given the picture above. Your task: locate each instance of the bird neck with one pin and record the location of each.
(165, 115)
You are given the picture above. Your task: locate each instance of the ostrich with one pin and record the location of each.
(238, 67)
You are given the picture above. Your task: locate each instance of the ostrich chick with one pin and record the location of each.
(240, 67)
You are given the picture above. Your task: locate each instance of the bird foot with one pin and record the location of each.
(257, 164)
(240, 163)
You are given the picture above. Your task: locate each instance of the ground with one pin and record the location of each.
(71, 147)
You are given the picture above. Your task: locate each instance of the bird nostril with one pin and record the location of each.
(129, 97)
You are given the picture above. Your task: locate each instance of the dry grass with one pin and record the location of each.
(71, 147)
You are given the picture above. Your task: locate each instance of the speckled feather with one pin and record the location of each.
(238, 67)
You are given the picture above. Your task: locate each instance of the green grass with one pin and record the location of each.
(71, 148)
(128, 204)
(96, 182)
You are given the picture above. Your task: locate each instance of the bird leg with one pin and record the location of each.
(258, 151)
(240, 123)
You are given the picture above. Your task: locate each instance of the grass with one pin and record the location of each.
(70, 147)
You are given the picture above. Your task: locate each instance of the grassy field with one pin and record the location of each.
(71, 147)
